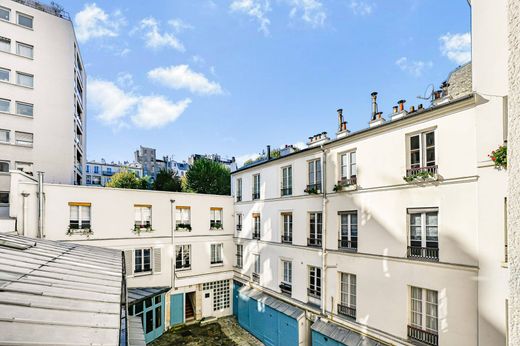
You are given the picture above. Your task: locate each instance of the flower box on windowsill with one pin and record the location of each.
(345, 184)
(80, 231)
(138, 229)
(183, 227)
(313, 189)
(421, 174)
(216, 226)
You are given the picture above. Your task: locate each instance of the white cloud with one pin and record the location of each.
(361, 8)
(154, 38)
(182, 77)
(94, 22)
(115, 107)
(256, 9)
(197, 59)
(456, 47)
(125, 80)
(179, 25)
(312, 11)
(413, 67)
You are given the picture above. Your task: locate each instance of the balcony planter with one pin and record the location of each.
(499, 157)
(79, 231)
(138, 229)
(216, 225)
(346, 185)
(421, 174)
(183, 227)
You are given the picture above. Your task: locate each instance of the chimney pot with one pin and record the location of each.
(340, 117)
(420, 106)
(395, 109)
(412, 109)
(268, 152)
(401, 105)
(374, 104)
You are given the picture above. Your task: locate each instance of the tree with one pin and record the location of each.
(167, 180)
(128, 180)
(208, 176)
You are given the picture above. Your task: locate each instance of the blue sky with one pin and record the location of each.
(231, 76)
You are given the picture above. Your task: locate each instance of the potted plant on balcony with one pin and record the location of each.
(420, 175)
(311, 190)
(216, 225)
(79, 231)
(142, 228)
(183, 227)
(345, 185)
(499, 157)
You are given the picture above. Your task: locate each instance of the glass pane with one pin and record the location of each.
(415, 158)
(158, 317)
(4, 14)
(24, 109)
(25, 50)
(414, 142)
(149, 321)
(430, 139)
(430, 157)
(25, 21)
(4, 136)
(5, 45)
(4, 75)
(5, 105)
(25, 80)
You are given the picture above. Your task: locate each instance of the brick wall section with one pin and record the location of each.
(460, 81)
(514, 171)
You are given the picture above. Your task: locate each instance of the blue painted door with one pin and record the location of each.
(243, 311)
(319, 339)
(271, 326)
(235, 299)
(287, 330)
(176, 309)
(151, 312)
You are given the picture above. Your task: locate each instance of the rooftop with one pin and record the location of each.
(53, 9)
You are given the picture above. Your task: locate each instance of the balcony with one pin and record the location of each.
(108, 173)
(421, 174)
(239, 227)
(427, 338)
(256, 235)
(423, 253)
(287, 239)
(287, 191)
(314, 242)
(314, 292)
(286, 288)
(347, 311)
(54, 9)
(255, 277)
(256, 195)
(313, 189)
(348, 245)
(346, 184)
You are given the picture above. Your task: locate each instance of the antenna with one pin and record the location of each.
(428, 95)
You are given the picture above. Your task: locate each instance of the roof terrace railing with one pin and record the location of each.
(54, 9)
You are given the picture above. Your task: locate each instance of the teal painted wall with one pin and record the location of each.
(319, 339)
(176, 309)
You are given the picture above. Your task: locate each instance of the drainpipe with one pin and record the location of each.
(24, 213)
(324, 231)
(41, 233)
(172, 201)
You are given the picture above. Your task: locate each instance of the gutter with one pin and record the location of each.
(172, 202)
(324, 231)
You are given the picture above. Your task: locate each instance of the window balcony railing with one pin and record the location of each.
(421, 173)
(314, 242)
(108, 173)
(286, 288)
(346, 184)
(239, 227)
(217, 261)
(423, 336)
(215, 224)
(347, 311)
(256, 277)
(183, 226)
(256, 195)
(314, 292)
(181, 266)
(286, 191)
(345, 244)
(256, 235)
(287, 239)
(239, 198)
(239, 262)
(423, 253)
(313, 189)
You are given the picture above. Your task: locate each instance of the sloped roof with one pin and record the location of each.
(54, 293)
(345, 336)
(278, 305)
(136, 295)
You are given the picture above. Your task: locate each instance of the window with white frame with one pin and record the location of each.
(424, 309)
(287, 271)
(315, 228)
(24, 138)
(25, 50)
(422, 150)
(25, 20)
(348, 168)
(257, 265)
(314, 170)
(424, 233)
(79, 216)
(4, 198)
(25, 79)
(183, 218)
(215, 218)
(240, 256)
(216, 253)
(256, 186)
(256, 226)
(143, 216)
(26, 167)
(5, 105)
(5, 13)
(286, 181)
(239, 190)
(5, 44)
(4, 166)
(5, 74)
(143, 260)
(314, 289)
(347, 292)
(348, 233)
(182, 257)
(5, 136)
(23, 108)
(239, 221)
(287, 224)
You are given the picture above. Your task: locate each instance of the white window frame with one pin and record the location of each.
(315, 277)
(8, 105)
(142, 264)
(239, 190)
(6, 39)
(346, 227)
(140, 215)
(348, 165)
(287, 271)
(257, 223)
(24, 45)
(22, 141)
(423, 226)
(239, 221)
(184, 250)
(287, 225)
(316, 231)
(422, 150)
(18, 74)
(19, 103)
(256, 185)
(8, 10)
(424, 312)
(239, 255)
(216, 254)
(8, 132)
(257, 267)
(314, 175)
(215, 217)
(84, 219)
(347, 290)
(286, 181)
(8, 74)
(19, 14)
(182, 216)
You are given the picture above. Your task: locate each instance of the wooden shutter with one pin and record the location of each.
(129, 260)
(156, 260)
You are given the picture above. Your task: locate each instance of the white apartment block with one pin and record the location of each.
(100, 173)
(42, 95)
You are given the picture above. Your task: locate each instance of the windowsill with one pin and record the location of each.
(21, 56)
(143, 273)
(18, 85)
(182, 269)
(216, 229)
(23, 145)
(16, 24)
(18, 115)
(213, 265)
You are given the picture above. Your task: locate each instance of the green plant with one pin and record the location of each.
(128, 180)
(167, 180)
(216, 225)
(80, 231)
(311, 191)
(419, 175)
(337, 187)
(183, 226)
(208, 176)
(138, 229)
(499, 157)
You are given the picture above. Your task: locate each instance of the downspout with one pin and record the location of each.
(172, 201)
(324, 231)
(41, 197)
(24, 213)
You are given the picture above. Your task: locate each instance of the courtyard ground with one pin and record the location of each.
(223, 332)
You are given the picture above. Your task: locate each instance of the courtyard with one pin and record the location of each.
(224, 331)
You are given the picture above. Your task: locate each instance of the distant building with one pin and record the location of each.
(229, 163)
(100, 173)
(181, 168)
(147, 157)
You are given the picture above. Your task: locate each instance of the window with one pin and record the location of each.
(5, 136)
(256, 186)
(287, 221)
(25, 50)
(348, 233)
(257, 264)
(314, 176)
(347, 305)
(182, 218)
(25, 79)
(424, 234)
(286, 181)
(4, 74)
(26, 167)
(88, 168)
(79, 216)
(142, 260)
(4, 198)
(314, 289)
(221, 293)
(5, 44)
(5, 105)
(239, 222)
(239, 189)
(257, 226)
(348, 170)
(240, 256)
(24, 138)
(422, 150)
(182, 257)
(25, 20)
(315, 232)
(5, 13)
(506, 237)
(4, 166)
(287, 271)
(423, 315)
(24, 109)
(143, 216)
(216, 253)
(215, 221)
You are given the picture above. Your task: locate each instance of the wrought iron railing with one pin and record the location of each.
(256, 235)
(424, 253)
(348, 181)
(55, 10)
(256, 195)
(314, 292)
(347, 311)
(256, 277)
(423, 336)
(316, 242)
(286, 238)
(287, 191)
(345, 244)
(286, 288)
(313, 188)
(431, 170)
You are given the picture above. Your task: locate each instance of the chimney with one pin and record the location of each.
(41, 234)
(340, 119)
(268, 152)
(318, 139)
(401, 105)
(374, 105)
(399, 110)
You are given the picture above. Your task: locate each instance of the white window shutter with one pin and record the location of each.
(156, 260)
(129, 260)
